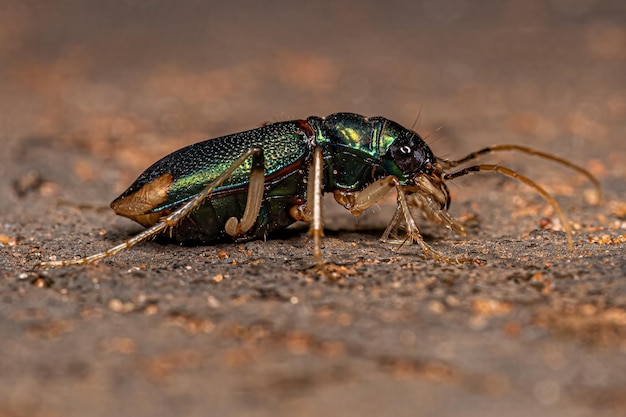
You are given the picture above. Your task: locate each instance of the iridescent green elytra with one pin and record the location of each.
(286, 146)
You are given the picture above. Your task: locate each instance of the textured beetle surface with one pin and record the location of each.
(180, 176)
(247, 185)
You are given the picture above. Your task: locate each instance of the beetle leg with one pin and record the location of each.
(235, 227)
(435, 213)
(313, 209)
(530, 151)
(361, 201)
(413, 232)
(358, 202)
(513, 174)
(393, 228)
(172, 220)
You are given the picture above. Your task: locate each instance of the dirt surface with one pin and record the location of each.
(92, 92)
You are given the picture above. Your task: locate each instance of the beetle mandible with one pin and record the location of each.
(246, 185)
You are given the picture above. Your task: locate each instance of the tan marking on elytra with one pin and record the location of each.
(137, 205)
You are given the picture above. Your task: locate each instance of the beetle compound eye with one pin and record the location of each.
(408, 155)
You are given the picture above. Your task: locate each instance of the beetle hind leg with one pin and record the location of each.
(237, 227)
(173, 219)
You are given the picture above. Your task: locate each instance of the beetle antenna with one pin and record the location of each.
(513, 174)
(529, 151)
(418, 119)
(434, 132)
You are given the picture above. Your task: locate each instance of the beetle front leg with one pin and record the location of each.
(359, 201)
(174, 218)
(366, 198)
(414, 234)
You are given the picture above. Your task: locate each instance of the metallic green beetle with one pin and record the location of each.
(246, 185)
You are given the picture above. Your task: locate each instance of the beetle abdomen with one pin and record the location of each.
(181, 175)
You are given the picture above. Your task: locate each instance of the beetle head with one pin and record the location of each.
(411, 155)
(410, 159)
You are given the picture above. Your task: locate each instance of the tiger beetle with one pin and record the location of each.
(247, 185)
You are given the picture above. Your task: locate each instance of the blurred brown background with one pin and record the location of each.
(92, 92)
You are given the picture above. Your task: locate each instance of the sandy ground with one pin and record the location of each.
(91, 93)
